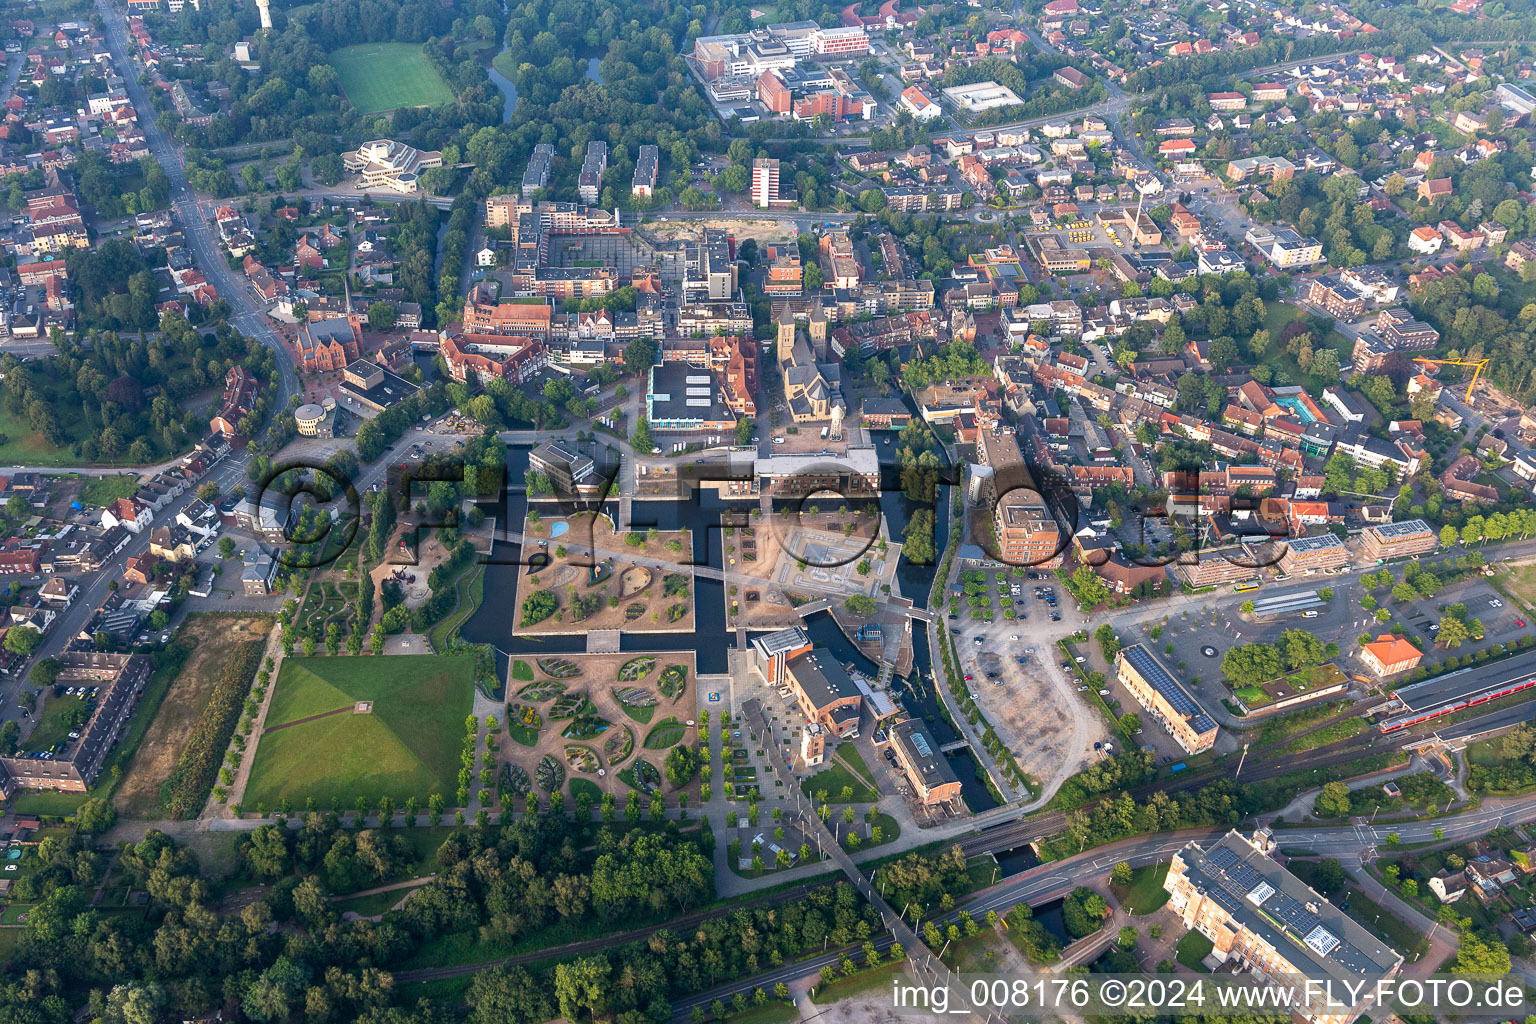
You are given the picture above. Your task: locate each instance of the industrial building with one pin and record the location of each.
(1165, 698)
(925, 766)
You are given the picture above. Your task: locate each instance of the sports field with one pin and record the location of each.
(407, 746)
(386, 76)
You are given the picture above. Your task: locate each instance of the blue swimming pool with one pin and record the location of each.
(558, 529)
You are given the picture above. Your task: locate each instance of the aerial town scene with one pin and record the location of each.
(631, 513)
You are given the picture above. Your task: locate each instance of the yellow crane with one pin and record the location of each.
(1479, 365)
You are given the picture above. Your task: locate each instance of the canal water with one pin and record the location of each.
(508, 91)
(494, 622)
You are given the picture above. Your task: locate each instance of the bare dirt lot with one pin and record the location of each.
(216, 637)
(1026, 709)
(742, 227)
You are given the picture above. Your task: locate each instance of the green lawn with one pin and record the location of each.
(1193, 948)
(587, 786)
(13, 914)
(408, 746)
(832, 779)
(1277, 316)
(51, 726)
(26, 447)
(47, 803)
(667, 733)
(368, 906)
(1145, 893)
(849, 754)
(386, 76)
(468, 592)
(103, 490)
(522, 671)
(872, 979)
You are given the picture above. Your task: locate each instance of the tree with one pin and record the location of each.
(22, 640)
(45, 672)
(681, 765)
(1333, 801)
(1301, 649)
(1109, 642)
(639, 356)
(861, 605)
(1250, 664)
(1120, 874)
(1453, 632)
(135, 1003)
(583, 985)
(95, 816)
(508, 995)
(381, 316)
(1478, 956)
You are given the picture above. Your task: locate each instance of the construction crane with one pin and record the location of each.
(1479, 365)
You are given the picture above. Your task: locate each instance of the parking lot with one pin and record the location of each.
(1014, 675)
(1193, 642)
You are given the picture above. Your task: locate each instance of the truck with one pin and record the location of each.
(1175, 769)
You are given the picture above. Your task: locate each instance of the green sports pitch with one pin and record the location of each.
(386, 76)
(407, 745)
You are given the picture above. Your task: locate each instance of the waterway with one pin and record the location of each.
(508, 91)
(495, 621)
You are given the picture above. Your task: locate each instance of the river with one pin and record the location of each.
(509, 91)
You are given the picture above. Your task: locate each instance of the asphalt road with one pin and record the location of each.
(246, 314)
(93, 589)
(1048, 881)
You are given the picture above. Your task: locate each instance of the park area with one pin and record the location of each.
(340, 728)
(377, 77)
(605, 722)
(565, 591)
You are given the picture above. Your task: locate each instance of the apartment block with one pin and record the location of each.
(1263, 920)
(589, 184)
(765, 182)
(1026, 533)
(646, 170)
(537, 174)
(1397, 540)
(1309, 554)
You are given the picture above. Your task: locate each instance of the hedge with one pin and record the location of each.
(185, 792)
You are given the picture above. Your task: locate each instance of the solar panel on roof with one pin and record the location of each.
(698, 403)
(1221, 858)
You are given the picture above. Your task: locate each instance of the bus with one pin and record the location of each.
(1243, 588)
